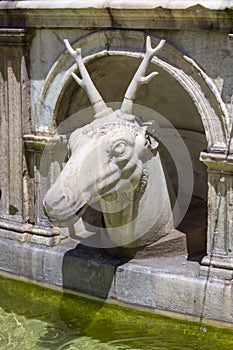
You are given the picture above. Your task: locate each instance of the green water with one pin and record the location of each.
(36, 318)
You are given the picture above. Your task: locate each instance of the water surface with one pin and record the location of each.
(36, 318)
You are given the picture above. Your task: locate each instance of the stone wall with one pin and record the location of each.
(193, 91)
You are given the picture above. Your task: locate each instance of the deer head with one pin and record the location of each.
(107, 155)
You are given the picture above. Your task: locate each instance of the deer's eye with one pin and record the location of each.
(119, 149)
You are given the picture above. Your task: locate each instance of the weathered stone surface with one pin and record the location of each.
(114, 160)
(116, 14)
(130, 4)
(14, 87)
(219, 244)
(171, 284)
(194, 93)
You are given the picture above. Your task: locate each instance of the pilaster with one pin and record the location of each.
(220, 212)
(43, 168)
(21, 216)
(14, 121)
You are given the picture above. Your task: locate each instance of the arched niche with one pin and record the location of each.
(112, 75)
(164, 100)
(182, 93)
(188, 77)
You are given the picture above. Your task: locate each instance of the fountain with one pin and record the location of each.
(131, 202)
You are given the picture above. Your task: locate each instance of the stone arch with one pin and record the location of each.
(184, 70)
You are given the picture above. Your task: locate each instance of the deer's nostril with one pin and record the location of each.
(129, 170)
(122, 163)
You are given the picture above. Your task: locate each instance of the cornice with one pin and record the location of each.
(116, 4)
(146, 14)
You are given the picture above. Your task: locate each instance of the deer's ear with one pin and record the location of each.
(152, 134)
(152, 128)
(151, 143)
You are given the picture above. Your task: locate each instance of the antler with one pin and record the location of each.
(85, 82)
(139, 77)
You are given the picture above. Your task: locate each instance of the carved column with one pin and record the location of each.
(14, 120)
(42, 171)
(220, 213)
(21, 215)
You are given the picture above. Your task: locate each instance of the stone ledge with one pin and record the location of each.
(218, 162)
(117, 4)
(15, 36)
(38, 143)
(172, 15)
(171, 284)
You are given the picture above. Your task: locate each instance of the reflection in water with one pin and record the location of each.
(36, 318)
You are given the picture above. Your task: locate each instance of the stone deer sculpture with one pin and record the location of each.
(114, 160)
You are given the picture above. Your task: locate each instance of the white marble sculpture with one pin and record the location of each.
(114, 160)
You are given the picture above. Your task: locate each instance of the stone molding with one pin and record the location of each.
(202, 14)
(218, 162)
(15, 36)
(38, 143)
(118, 4)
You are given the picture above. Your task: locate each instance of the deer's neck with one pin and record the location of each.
(143, 215)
